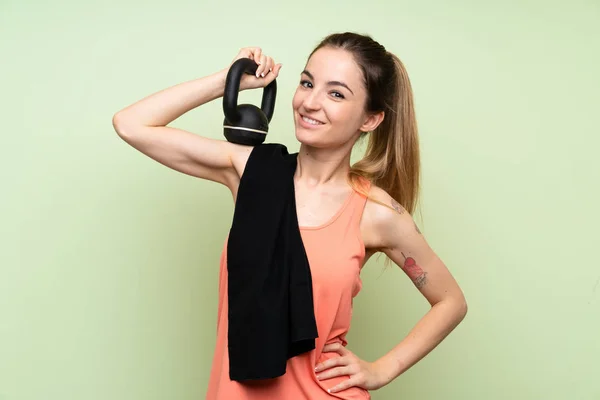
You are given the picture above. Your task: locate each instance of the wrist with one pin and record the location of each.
(221, 77)
(388, 368)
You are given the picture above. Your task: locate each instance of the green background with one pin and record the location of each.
(109, 260)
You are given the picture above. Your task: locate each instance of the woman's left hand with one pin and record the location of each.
(361, 373)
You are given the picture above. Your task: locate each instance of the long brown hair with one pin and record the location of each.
(391, 159)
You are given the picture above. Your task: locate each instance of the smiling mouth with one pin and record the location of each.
(310, 120)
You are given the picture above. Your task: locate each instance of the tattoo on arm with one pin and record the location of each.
(414, 272)
(402, 210)
(398, 207)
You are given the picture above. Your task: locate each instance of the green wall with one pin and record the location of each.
(109, 261)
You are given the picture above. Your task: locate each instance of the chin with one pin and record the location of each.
(312, 139)
(305, 137)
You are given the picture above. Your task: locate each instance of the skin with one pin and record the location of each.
(331, 91)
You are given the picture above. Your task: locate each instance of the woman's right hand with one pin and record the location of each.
(266, 72)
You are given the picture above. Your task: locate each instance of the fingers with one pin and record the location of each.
(266, 72)
(332, 362)
(256, 53)
(262, 63)
(344, 359)
(348, 383)
(337, 347)
(265, 63)
(247, 52)
(269, 64)
(345, 370)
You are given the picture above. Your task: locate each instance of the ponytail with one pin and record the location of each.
(392, 160)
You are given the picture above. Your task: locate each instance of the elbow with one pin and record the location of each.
(122, 124)
(118, 123)
(454, 303)
(461, 307)
(457, 307)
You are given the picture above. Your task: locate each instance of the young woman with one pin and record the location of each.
(351, 87)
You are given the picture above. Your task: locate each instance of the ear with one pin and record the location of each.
(372, 121)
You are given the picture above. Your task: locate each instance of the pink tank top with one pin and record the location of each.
(335, 252)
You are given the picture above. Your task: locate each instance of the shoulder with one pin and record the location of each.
(386, 223)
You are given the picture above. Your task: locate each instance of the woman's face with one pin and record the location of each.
(330, 100)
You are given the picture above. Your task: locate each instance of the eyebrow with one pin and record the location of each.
(338, 83)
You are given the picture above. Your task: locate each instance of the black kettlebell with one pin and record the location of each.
(245, 123)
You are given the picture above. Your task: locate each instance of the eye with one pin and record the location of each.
(338, 95)
(305, 83)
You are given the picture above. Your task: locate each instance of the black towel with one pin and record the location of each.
(271, 311)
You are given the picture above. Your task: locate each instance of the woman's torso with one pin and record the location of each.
(331, 232)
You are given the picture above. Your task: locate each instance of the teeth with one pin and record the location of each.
(311, 121)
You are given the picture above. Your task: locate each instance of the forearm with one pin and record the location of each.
(439, 321)
(163, 107)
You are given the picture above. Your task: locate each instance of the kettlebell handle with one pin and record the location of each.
(232, 88)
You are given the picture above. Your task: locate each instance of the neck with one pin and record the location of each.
(318, 166)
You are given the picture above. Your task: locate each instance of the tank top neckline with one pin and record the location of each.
(333, 218)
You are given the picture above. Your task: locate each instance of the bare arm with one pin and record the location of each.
(400, 239)
(143, 125)
(392, 231)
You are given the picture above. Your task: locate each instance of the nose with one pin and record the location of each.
(312, 101)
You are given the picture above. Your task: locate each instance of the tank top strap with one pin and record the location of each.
(351, 213)
(360, 200)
